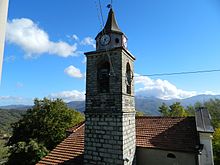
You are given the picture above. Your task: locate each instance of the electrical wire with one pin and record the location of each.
(99, 18)
(179, 73)
(102, 18)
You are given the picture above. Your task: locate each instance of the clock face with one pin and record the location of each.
(105, 39)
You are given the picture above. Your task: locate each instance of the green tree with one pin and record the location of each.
(164, 109)
(3, 151)
(216, 145)
(190, 110)
(24, 153)
(139, 113)
(197, 105)
(177, 110)
(213, 107)
(46, 123)
(174, 110)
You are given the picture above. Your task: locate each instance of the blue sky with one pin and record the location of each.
(45, 41)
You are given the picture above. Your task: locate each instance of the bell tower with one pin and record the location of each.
(110, 137)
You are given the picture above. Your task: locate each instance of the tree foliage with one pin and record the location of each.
(139, 113)
(174, 110)
(164, 110)
(216, 145)
(3, 150)
(44, 125)
(8, 117)
(213, 107)
(24, 153)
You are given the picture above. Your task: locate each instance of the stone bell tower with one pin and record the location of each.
(110, 137)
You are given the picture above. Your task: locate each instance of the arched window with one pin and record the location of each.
(170, 155)
(103, 77)
(128, 78)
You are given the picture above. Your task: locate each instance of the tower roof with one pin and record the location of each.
(111, 24)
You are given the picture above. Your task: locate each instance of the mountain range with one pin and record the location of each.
(148, 105)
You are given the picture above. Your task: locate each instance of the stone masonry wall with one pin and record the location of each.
(109, 139)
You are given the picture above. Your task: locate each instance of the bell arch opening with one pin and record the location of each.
(128, 78)
(103, 77)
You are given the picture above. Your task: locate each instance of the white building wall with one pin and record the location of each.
(3, 18)
(206, 157)
(147, 156)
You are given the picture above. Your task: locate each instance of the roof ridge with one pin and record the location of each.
(76, 127)
(139, 117)
(79, 126)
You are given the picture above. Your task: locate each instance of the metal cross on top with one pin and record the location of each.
(110, 5)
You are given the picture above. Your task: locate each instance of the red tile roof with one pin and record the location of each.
(168, 133)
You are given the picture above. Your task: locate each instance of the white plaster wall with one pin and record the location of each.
(3, 18)
(206, 157)
(146, 156)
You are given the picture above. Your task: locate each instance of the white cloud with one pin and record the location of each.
(160, 88)
(68, 96)
(88, 41)
(209, 93)
(9, 100)
(10, 97)
(73, 72)
(75, 37)
(35, 41)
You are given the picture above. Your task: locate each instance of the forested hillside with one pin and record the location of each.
(7, 117)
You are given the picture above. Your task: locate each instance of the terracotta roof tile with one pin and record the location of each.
(168, 133)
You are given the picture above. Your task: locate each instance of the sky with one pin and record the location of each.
(46, 41)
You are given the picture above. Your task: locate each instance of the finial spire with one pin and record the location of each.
(111, 23)
(110, 5)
